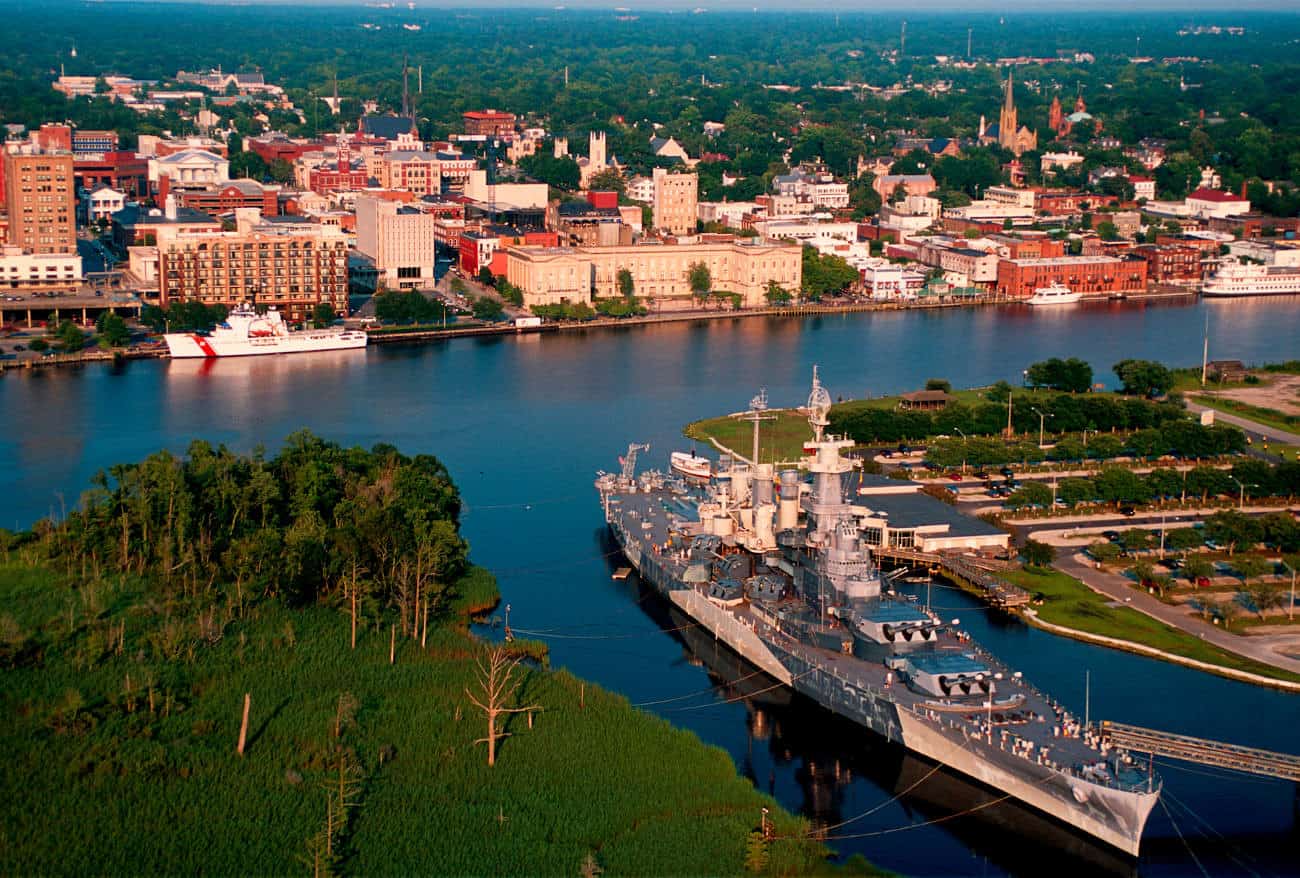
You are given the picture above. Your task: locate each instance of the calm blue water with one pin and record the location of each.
(523, 423)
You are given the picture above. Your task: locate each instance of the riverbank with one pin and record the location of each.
(1073, 606)
(426, 334)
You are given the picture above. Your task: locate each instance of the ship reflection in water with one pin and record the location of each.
(830, 755)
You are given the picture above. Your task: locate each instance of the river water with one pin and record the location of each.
(523, 423)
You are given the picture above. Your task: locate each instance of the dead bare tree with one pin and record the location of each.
(498, 685)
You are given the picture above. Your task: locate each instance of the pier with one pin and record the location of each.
(1203, 751)
(964, 571)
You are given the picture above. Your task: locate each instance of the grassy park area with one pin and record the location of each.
(1068, 602)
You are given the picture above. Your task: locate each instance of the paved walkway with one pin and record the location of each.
(1261, 648)
(1273, 434)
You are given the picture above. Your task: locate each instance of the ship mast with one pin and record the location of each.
(757, 413)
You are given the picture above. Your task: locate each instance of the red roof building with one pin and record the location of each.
(232, 195)
(489, 123)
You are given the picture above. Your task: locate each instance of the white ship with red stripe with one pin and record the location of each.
(246, 333)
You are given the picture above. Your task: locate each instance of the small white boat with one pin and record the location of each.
(689, 464)
(1056, 294)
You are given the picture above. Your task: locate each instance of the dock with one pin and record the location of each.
(995, 590)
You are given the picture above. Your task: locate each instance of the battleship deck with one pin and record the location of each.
(1015, 739)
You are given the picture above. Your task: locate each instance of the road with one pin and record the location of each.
(1255, 430)
(1262, 648)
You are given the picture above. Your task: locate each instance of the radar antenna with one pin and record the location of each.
(629, 461)
(819, 406)
(757, 412)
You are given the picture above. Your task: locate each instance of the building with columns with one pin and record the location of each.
(551, 275)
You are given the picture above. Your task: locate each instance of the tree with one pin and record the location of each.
(626, 284)
(71, 338)
(1107, 230)
(1105, 447)
(700, 280)
(281, 171)
(1197, 568)
(112, 330)
(497, 686)
(938, 384)
(38, 345)
(825, 275)
(776, 294)
(1184, 539)
(1104, 551)
(1038, 554)
(1250, 567)
(249, 165)
(562, 173)
(1115, 484)
(1075, 491)
(1136, 539)
(1031, 494)
(486, 277)
(1070, 376)
(1232, 530)
(487, 308)
(1144, 378)
(608, 180)
(322, 315)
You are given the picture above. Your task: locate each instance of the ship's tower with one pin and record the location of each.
(825, 462)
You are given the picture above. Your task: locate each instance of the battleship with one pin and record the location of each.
(776, 566)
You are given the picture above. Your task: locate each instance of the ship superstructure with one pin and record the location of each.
(775, 565)
(245, 333)
(1249, 279)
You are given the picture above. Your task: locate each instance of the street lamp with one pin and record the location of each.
(1041, 418)
(964, 440)
(1241, 503)
(1291, 606)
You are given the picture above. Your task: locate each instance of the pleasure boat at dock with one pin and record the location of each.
(1054, 294)
(691, 464)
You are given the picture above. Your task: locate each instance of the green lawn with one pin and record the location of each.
(122, 761)
(1266, 416)
(782, 438)
(1068, 602)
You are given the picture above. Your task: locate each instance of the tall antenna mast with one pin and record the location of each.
(902, 41)
(406, 89)
(757, 413)
(968, 37)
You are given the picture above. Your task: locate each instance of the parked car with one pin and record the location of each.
(1202, 582)
(980, 474)
(956, 477)
(1128, 511)
(1113, 536)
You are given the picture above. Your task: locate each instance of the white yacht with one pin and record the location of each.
(1056, 294)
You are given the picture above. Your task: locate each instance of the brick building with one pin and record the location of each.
(1171, 263)
(1093, 276)
(489, 123)
(293, 267)
(124, 171)
(40, 197)
(233, 195)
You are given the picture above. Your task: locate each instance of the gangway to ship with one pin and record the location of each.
(1205, 752)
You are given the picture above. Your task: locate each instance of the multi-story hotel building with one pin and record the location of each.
(40, 196)
(30, 272)
(676, 201)
(1093, 276)
(294, 266)
(550, 275)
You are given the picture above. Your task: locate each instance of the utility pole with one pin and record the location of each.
(1010, 433)
(1205, 349)
(968, 36)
